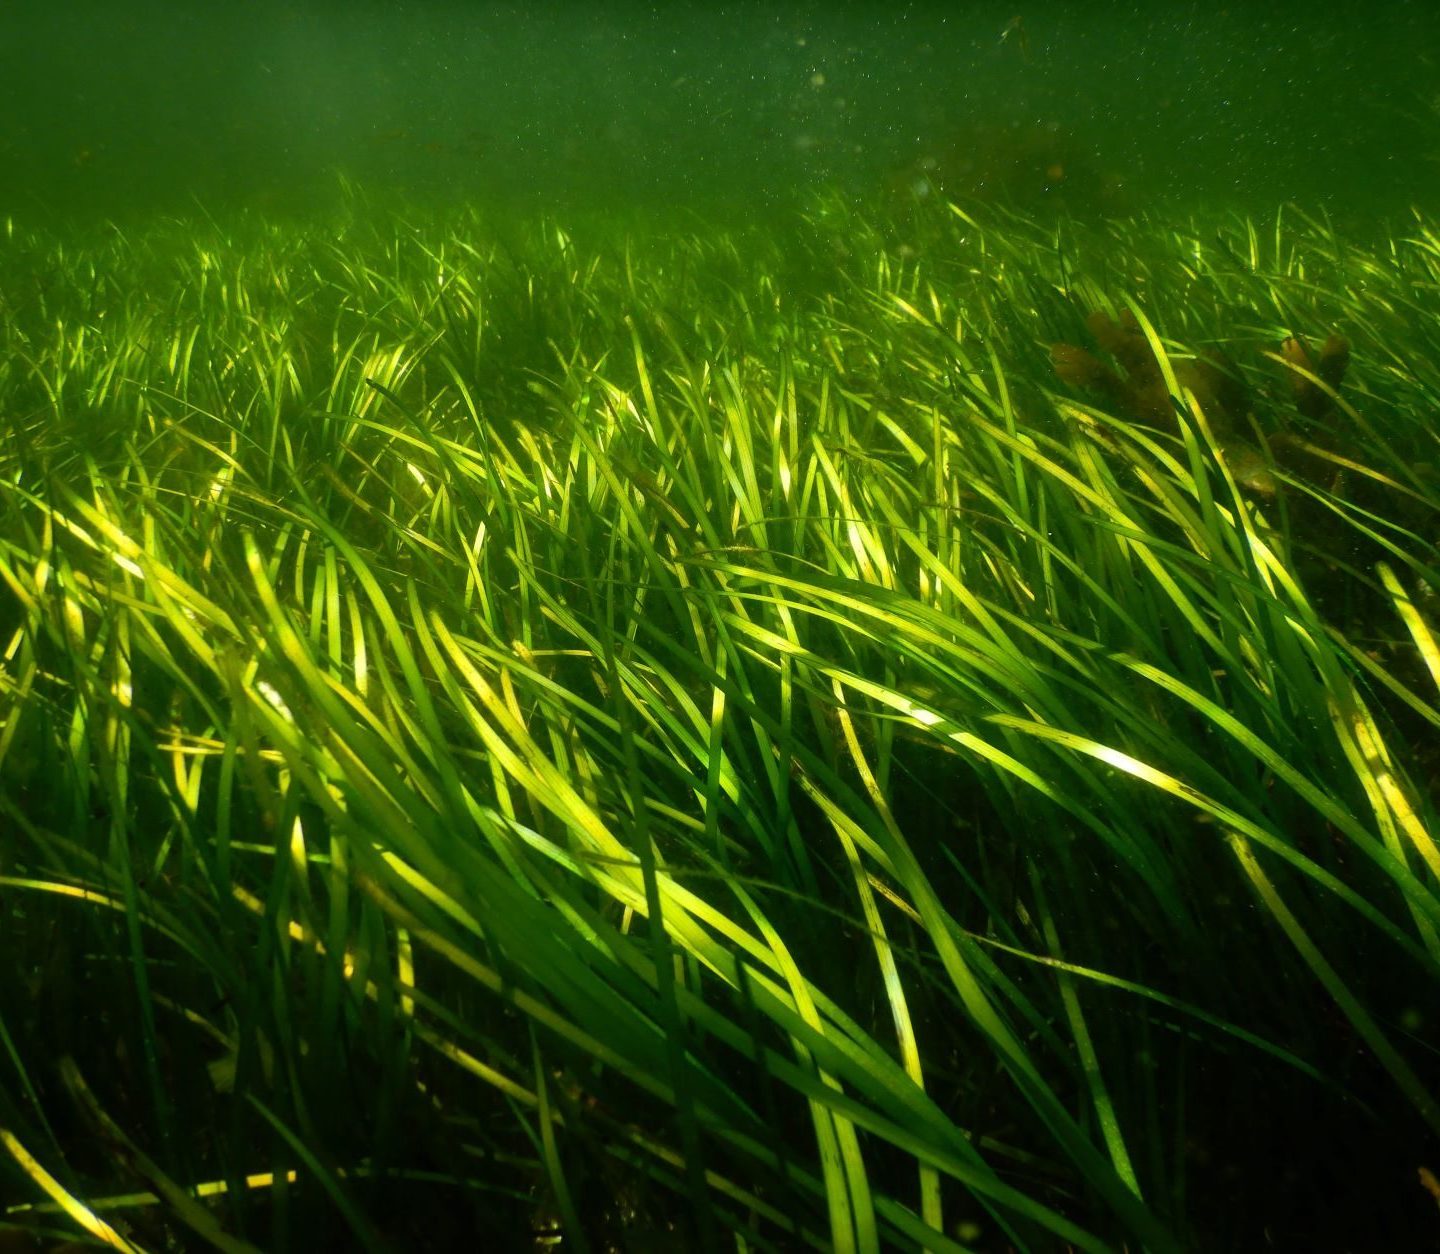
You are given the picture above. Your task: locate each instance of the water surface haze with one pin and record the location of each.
(112, 106)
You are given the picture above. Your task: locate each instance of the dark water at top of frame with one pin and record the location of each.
(108, 107)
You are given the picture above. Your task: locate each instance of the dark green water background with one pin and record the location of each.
(107, 107)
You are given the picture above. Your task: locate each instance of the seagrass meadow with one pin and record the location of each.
(912, 729)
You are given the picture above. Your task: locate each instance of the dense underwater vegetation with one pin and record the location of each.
(719, 626)
(912, 730)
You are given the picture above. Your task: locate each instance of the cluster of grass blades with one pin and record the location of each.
(683, 740)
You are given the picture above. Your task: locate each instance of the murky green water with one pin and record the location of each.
(107, 106)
